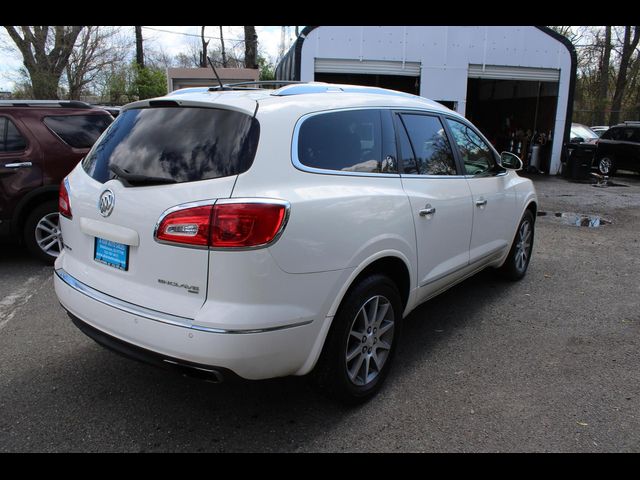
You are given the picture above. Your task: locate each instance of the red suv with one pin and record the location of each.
(40, 143)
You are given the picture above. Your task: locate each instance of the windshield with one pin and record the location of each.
(580, 131)
(182, 144)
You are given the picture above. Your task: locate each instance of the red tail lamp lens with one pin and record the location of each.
(236, 225)
(189, 226)
(64, 206)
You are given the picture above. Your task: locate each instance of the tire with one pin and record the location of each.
(359, 349)
(515, 266)
(606, 165)
(41, 233)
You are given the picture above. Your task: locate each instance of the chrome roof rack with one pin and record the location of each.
(259, 84)
(45, 103)
(319, 87)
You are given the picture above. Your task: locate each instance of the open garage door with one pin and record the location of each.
(402, 76)
(515, 107)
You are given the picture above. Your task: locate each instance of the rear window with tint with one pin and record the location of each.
(78, 131)
(184, 144)
(347, 141)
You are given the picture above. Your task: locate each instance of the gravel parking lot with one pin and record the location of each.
(550, 363)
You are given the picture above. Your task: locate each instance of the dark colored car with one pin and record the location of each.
(619, 148)
(40, 143)
(580, 151)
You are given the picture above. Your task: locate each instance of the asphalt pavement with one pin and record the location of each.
(547, 364)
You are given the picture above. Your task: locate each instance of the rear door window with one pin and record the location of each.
(10, 138)
(182, 144)
(345, 141)
(78, 131)
(430, 147)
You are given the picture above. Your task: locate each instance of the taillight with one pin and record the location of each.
(64, 206)
(224, 225)
(242, 225)
(189, 226)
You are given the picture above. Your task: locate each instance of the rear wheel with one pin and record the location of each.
(361, 344)
(42, 234)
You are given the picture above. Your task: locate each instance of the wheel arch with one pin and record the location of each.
(31, 201)
(389, 262)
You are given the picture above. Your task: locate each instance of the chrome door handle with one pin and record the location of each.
(481, 203)
(18, 165)
(427, 210)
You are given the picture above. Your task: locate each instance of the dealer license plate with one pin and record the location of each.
(110, 253)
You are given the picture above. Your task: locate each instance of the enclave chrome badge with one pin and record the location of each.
(106, 202)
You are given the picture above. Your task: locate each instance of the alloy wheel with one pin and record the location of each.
(523, 245)
(604, 165)
(48, 234)
(370, 339)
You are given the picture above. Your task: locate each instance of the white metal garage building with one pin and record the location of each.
(506, 79)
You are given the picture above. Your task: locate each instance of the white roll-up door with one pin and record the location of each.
(498, 72)
(369, 67)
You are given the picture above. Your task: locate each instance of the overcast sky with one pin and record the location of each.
(172, 39)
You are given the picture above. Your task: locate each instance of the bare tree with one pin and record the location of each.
(250, 47)
(629, 44)
(203, 52)
(45, 51)
(96, 49)
(222, 49)
(603, 79)
(139, 47)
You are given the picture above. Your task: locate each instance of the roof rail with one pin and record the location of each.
(243, 85)
(319, 87)
(45, 103)
(632, 122)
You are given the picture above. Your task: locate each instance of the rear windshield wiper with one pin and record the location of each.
(137, 179)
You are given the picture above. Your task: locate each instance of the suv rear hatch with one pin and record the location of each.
(157, 157)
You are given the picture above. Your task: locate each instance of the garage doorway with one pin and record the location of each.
(395, 75)
(515, 113)
(393, 82)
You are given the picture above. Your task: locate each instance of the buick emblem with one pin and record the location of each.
(106, 202)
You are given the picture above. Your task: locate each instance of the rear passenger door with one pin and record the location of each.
(19, 165)
(439, 196)
(494, 195)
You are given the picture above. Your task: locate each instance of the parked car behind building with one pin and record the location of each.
(40, 142)
(580, 151)
(619, 148)
(600, 129)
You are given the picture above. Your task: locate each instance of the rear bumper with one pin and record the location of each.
(158, 338)
(204, 372)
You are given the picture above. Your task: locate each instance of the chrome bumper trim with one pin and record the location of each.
(155, 315)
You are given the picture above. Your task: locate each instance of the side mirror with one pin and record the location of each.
(577, 140)
(510, 161)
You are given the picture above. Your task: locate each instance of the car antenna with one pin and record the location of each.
(216, 73)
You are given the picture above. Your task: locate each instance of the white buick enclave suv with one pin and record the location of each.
(263, 233)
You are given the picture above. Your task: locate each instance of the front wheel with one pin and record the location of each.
(606, 165)
(362, 341)
(517, 262)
